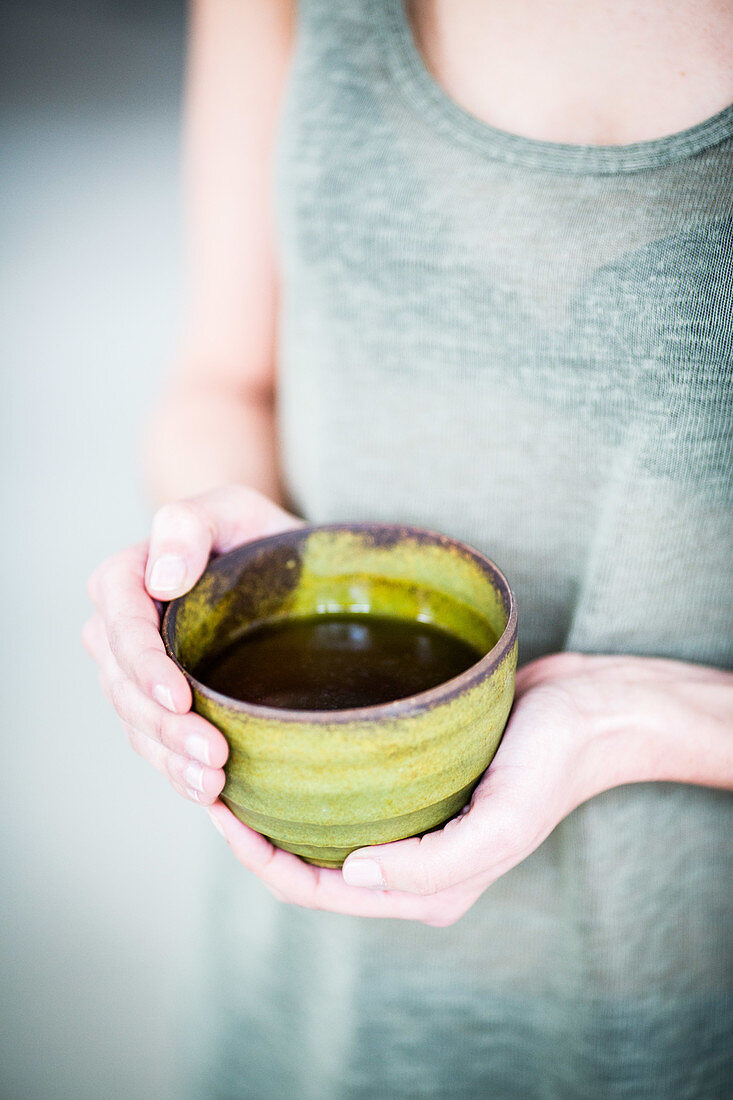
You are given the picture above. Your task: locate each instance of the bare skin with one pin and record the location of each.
(608, 73)
(563, 71)
(215, 425)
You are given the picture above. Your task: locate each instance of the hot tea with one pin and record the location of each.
(334, 661)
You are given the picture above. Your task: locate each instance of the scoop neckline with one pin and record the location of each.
(454, 121)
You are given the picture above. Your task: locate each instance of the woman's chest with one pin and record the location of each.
(599, 74)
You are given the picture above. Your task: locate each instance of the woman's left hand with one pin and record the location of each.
(580, 725)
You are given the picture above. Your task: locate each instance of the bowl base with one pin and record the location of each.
(310, 842)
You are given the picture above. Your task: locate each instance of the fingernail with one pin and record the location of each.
(198, 747)
(195, 795)
(168, 573)
(363, 872)
(164, 696)
(194, 776)
(217, 824)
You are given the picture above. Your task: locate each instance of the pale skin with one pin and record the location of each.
(558, 71)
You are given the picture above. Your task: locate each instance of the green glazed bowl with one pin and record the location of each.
(322, 783)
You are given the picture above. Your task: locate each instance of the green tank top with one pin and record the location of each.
(528, 346)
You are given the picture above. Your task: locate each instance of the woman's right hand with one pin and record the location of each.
(150, 694)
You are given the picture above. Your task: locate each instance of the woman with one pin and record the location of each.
(493, 274)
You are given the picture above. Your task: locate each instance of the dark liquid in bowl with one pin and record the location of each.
(336, 661)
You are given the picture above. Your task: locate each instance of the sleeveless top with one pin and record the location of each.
(529, 346)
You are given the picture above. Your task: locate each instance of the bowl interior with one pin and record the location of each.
(379, 570)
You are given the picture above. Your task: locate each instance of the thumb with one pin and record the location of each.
(486, 836)
(185, 532)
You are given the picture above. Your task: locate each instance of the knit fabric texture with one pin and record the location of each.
(528, 346)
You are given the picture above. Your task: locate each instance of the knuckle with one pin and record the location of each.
(134, 739)
(224, 494)
(163, 514)
(107, 577)
(158, 727)
(557, 699)
(173, 770)
(98, 579)
(178, 787)
(569, 661)
(425, 867)
(509, 837)
(167, 728)
(93, 585)
(424, 879)
(144, 659)
(312, 896)
(120, 639)
(119, 694)
(250, 500)
(180, 513)
(131, 641)
(116, 638)
(87, 636)
(263, 868)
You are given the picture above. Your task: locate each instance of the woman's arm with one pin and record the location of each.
(214, 427)
(215, 424)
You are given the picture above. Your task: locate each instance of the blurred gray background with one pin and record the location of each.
(102, 864)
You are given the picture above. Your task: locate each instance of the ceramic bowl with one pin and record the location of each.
(322, 783)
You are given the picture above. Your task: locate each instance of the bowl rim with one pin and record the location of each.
(409, 705)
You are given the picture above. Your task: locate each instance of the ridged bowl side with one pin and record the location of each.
(321, 791)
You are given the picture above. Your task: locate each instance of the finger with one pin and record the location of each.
(91, 635)
(488, 839)
(189, 778)
(131, 625)
(299, 883)
(517, 803)
(187, 735)
(186, 531)
(549, 668)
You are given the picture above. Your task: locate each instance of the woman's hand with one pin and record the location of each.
(580, 725)
(149, 693)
